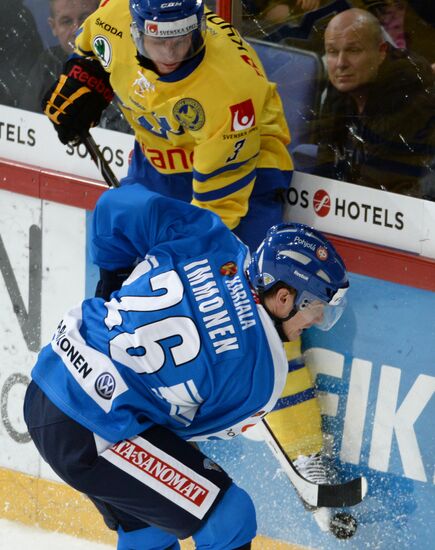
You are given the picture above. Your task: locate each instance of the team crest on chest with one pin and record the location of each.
(103, 50)
(189, 113)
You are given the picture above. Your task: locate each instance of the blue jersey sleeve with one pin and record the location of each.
(129, 221)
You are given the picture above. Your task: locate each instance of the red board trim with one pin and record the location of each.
(49, 185)
(363, 258)
(385, 263)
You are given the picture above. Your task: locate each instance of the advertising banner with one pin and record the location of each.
(357, 212)
(42, 264)
(30, 138)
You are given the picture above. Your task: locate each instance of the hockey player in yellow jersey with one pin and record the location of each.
(209, 128)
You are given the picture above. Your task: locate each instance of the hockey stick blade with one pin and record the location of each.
(100, 161)
(340, 495)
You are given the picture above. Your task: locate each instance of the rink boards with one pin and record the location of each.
(375, 370)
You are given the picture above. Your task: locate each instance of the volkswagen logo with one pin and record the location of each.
(105, 385)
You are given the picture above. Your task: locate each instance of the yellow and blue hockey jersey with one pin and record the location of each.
(216, 119)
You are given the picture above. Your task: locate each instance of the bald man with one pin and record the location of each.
(355, 49)
(376, 125)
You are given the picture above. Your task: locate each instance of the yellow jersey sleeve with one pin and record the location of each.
(251, 134)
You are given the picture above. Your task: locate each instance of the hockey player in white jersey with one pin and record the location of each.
(189, 349)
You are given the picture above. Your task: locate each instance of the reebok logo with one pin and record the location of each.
(300, 275)
(91, 82)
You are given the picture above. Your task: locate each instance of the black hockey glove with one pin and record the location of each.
(75, 102)
(111, 281)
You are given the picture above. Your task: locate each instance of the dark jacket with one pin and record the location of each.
(44, 73)
(391, 145)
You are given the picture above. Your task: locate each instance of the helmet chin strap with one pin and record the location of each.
(278, 321)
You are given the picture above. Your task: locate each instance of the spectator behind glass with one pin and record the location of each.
(406, 28)
(376, 126)
(278, 11)
(20, 45)
(41, 12)
(266, 13)
(66, 16)
(260, 16)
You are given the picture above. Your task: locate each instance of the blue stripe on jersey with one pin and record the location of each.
(295, 399)
(269, 179)
(227, 190)
(296, 364)
(198, 176)
(193, 397)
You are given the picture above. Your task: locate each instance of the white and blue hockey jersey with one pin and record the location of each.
(182, 344)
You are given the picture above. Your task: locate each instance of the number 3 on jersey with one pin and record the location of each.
(141, 350)
(237, 148)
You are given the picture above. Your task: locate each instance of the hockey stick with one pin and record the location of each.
(100, 161)
(340, 495)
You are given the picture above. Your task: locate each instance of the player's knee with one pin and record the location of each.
(231, 525)
(149, 537)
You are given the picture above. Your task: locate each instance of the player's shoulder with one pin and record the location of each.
(131, 197)
(234, 58)
(112, 9)
(112, 20)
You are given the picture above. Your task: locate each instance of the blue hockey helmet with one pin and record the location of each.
(160, 19)
(302, 258)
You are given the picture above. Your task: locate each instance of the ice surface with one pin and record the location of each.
(18, 536)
